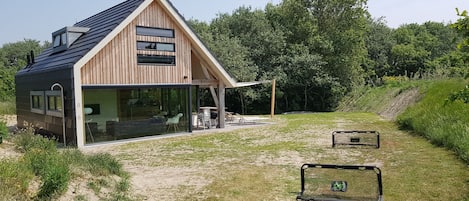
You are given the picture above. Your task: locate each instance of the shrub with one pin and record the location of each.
(26, 141)
(45, 161)
(462, 95)
(55, 168)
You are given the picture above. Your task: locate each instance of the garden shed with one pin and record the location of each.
(120, 74)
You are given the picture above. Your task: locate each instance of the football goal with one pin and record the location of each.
(355, 138)
(340, 183)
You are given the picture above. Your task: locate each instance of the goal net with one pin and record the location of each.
(340, 183)
(355, 138)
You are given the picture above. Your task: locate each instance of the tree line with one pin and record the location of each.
(316, 50)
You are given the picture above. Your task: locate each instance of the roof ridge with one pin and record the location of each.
(131, 2)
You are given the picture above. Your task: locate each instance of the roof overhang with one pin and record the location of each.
(248, 84)
(198, 46)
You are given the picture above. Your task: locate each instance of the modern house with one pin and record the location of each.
(122, 73)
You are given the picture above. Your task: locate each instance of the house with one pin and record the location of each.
(120, 74)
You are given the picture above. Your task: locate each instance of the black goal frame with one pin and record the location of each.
(304, 167)
(356, 141)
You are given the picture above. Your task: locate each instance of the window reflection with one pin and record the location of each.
(132, 113)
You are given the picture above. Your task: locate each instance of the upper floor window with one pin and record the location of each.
(166, 47)
(65, 37)
(60, 39)
(156, 59)
(158, 32)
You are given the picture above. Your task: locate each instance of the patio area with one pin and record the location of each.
(238, 122)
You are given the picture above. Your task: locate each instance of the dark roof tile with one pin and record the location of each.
(100, 26)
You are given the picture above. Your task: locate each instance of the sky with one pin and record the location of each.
(32, 19)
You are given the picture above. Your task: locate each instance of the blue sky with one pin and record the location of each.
(31, 19)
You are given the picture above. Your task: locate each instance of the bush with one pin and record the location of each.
(26, 141)
(45, 161)
(462, 95)
(55, 169)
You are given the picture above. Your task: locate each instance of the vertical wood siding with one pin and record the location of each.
(116, 63)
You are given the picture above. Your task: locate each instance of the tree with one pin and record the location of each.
(379, 42)
(13, 56)
(419, 48)
(344, 24)
(235, 59)
(462, 27)
(308, 82)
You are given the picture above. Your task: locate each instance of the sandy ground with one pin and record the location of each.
(9, 119)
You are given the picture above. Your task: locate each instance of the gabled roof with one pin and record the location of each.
(100, 26)
(104, 27)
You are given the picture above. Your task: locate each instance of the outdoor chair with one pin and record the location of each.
(173, 122)
(205, 118)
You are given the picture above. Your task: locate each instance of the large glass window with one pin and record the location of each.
(37, 101)
(158, 32)
(138, 112)
(156, 59)
(166, 47)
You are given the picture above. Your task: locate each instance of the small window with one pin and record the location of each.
(156, 59)
(60, 39)
(158, 32)
(57, 41)
(54, 103)
(37, 102)
(165, 47)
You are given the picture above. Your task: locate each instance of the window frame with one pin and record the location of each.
(56, 110)
(140, 32)
(156, 63)
(156, 46)
(40, 96)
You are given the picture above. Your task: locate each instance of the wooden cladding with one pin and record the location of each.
(116, 63)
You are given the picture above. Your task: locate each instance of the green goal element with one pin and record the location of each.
(356, 138)
(340, 183)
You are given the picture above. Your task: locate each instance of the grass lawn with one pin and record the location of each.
(263, 162)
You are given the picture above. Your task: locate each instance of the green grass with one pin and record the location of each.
(443, 123)
(262, 163)
(374, 99)
(42, 162)
(8, 107)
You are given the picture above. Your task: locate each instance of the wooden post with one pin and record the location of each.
(272, 107)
